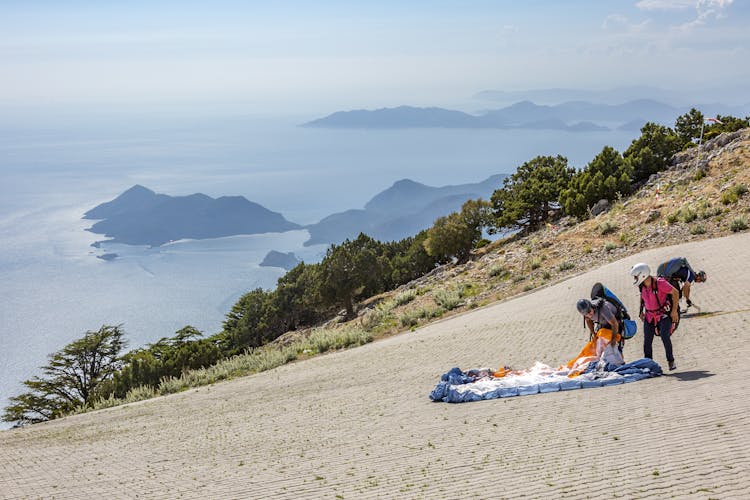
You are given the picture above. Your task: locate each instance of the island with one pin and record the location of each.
(139, 216)
(278, 259)
(402, 210)
(571, 116)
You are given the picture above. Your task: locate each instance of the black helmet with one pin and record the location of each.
(584, 306)
(701, 275)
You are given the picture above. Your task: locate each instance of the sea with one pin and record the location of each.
(53, 286)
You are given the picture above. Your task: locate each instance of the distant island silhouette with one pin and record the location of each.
(402, 210)
(139, 216)
(572, 116)
(278, 259)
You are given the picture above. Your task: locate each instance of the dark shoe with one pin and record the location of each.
(672, 365)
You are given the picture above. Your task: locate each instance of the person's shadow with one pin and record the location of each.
(690, 376)
(697, 314)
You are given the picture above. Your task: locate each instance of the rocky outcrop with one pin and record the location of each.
(278, 259)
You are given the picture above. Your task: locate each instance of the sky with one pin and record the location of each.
(321, 56)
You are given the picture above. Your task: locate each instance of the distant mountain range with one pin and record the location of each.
(139, 216)
(402, 210)
(675, 97)
(573, 116)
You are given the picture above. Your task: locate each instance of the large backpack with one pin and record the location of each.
(628, 327)
(668, 268)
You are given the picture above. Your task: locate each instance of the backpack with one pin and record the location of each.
(628, 327)
(668, 268)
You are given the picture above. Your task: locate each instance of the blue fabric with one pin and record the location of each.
(570, 385)
(631, 328)
(528, 390)
(588, 384)
(638, 366)
(456, 386)
(549, 387)
(508, 392)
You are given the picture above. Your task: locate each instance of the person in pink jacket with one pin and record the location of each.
(659, 303)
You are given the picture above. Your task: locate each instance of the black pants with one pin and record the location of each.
(665, 333)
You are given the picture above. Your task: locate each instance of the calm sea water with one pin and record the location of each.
(53, 286)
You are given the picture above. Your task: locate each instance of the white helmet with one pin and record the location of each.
(640, 272)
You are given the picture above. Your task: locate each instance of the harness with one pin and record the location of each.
(598, 304)
(664, 307)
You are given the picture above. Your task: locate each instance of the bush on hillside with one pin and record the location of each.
(606, 177)
(526, 198)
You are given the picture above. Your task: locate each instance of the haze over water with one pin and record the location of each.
(54, 287)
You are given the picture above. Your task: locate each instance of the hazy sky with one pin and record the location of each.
(330, 55)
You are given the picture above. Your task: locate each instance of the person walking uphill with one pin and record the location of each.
(657, 311)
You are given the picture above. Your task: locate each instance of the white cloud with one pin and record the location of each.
(618, 22)
(666, 4)
(705, 10)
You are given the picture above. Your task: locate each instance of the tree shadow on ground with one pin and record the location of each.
(691, 375)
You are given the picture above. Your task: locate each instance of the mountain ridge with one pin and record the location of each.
(399, 211)
(572, 116)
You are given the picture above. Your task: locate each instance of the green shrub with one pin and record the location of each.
(535, 263)
(687, 214)
(738, 224)
(409, 319)
(607, 227)
(699, 229)
(528, 287)
(468, 290)
(626, 238)
(708, 211)
(733, 194)
(700, 174)
(381, 314)
(498, 270)
(448, 299)
(482, 243)
(672, 218)
(405, 297)
(546, 275)
(653, 215)
(609, 246)
(323, 340)
(729, 198)
(565, 266)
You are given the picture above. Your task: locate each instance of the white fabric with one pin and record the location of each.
(608, 353)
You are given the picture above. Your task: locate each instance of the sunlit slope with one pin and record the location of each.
(358, 423)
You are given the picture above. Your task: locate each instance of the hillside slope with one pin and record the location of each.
(358, 423)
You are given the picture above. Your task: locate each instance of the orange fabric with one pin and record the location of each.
(606, 334)
(588, 353)
(589, 350)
